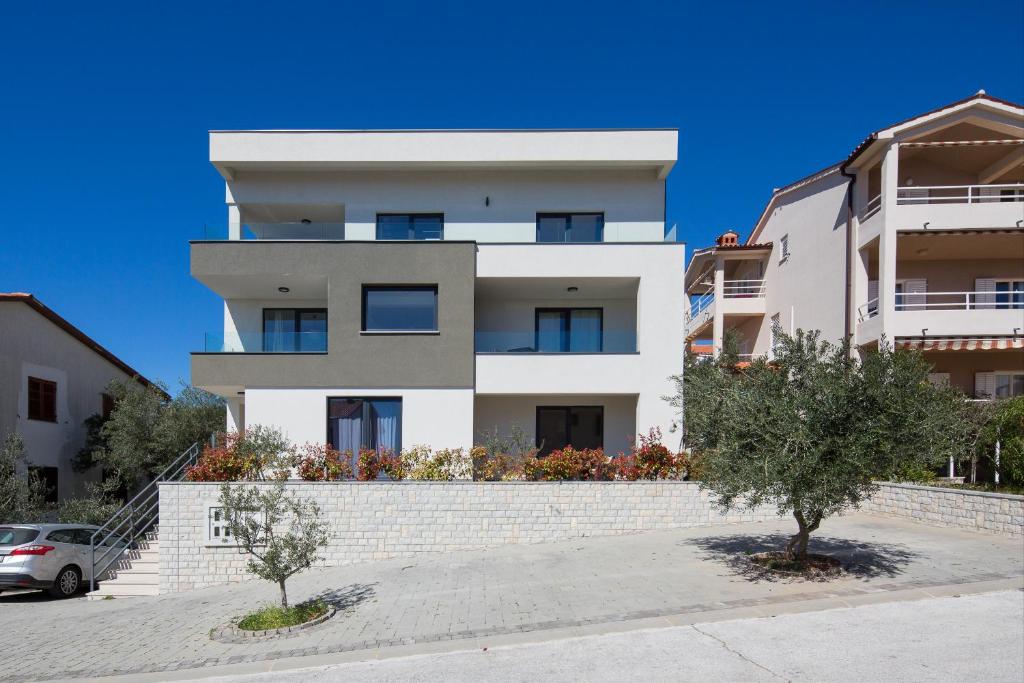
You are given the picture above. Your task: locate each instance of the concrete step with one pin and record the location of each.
(130, 591)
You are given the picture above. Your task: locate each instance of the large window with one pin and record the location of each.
(400, 308)
(42, 400)
(410, 226)
(570, 227)
(295, 330)
(562, 330)
(1009, 384)
(49, 477)
(356, 423)
(578, 426)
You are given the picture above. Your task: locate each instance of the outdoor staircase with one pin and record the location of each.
(125, 551)
(136, 573)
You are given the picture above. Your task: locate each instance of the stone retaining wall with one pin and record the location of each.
(998, 513)
(383, 520)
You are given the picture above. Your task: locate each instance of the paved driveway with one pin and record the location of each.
(507, 590)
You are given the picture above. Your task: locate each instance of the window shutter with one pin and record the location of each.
(872, 290)
(920, 194)
(985, 288)
(914, 290)
(984, 384)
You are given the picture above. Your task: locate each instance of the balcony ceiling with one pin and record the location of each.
(265, 286)
(922, 246)
(539, 288)
(292, 213)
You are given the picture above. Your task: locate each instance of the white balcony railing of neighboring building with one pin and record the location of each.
(958, 194)
(873, 206)
(743, 289)
(948, 301)
(701, 304)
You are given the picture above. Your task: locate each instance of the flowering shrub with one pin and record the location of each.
(321, 462)
(570, 464)
(499, 466)
(258, 453)
(445, 465)
(373, 463)
(650, 459)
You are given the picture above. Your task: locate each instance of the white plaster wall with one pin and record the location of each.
(807, 290)
(660, 309)
(632, 200)
(502, 413)
(31, 345)
(440, 418)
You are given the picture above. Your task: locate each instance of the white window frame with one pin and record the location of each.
(784, 248)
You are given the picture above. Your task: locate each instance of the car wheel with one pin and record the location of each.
(67, 583)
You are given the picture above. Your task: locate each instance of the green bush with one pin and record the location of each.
(282, 617)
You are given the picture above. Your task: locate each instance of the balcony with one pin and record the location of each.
(941, 207)
(948, 314)
(265, 342)
(742, 297)
(531, 341)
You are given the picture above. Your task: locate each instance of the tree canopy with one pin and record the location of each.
(810, 430)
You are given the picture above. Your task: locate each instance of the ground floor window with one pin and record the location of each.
(47, 475)
(560, 426)
(355, 423)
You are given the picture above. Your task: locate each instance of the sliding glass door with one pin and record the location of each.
(569, 330)
(294, 330)
(576, 426)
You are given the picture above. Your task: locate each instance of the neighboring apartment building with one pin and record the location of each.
(394, 288)
(52, 378)
(917, 238)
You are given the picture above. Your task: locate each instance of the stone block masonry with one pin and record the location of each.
(997, 513)
(383, 520)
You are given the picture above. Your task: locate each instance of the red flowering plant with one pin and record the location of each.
(322, 462)
(258, 453)
(570, 464)
(650, 459)
(373, 463)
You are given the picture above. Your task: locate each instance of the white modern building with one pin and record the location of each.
(395, 288)
(917, 238)
(52, 379)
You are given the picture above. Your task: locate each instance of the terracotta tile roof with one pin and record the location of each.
(85, 339)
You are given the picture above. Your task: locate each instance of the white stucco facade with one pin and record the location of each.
(490, 188)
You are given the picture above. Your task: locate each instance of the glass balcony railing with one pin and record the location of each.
(266, 342)
(528, 341)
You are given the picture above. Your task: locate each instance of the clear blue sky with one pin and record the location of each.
(104, 113)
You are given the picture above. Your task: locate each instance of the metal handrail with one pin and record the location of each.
(738, 289)
(139, 515)
(867, 310)
(700, 305)
(960, 301)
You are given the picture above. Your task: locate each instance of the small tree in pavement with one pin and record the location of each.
(811, 430)
(282, 533)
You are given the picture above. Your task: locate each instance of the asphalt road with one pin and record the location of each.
(976, 637)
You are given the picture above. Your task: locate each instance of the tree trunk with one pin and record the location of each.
(284, 594)
(796, 549)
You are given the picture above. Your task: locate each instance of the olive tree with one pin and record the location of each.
(281, 533)
(810, 430)
(22, 494)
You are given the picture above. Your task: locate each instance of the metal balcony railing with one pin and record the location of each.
(960, 194)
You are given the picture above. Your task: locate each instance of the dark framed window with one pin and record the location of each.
(568, 330)
(1009, 294)
(410, 226)
(570, 227)
(107, 406)
(561, 426)
(42, 399)
(295, 330)
(47, 475)
(357, 423)
(400, 308)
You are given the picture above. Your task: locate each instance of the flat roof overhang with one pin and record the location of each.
(325, 150)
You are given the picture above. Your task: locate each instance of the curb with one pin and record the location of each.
(230, 633)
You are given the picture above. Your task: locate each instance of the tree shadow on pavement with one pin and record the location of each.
(859, 559)
(349, 596)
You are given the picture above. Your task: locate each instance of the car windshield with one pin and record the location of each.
(12, 536)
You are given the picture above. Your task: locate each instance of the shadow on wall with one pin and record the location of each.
(859, 559)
